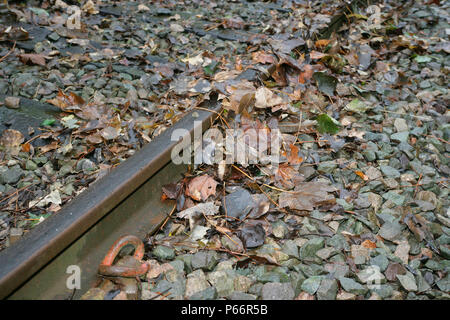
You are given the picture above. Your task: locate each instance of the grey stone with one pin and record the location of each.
(444, 284)
(274, 276)
(12, 102)
(196, 282)
(234, 244)
(389, 171)
(209, 293)
(325, 253)
(85, 165)
(237, 295)
(381, 261)
(371, 275)
(396, 198)
(383, 290)
(242, 283)
(163, 252)
(352, 286)
(11, 175)
(327, 290)
(327, 166)
(277, 291)
(30, 165)
(311, 284)
(176, 289)
(400, 136)
(400, 125)
(337, 270)
(309, 249)
(407, 281)
(205, 260)
(390, 230)
(223, 281)
(290, 248)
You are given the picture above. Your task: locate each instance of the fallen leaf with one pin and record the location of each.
(361, 175)
(293, 156)
(196, 212)
(369, 244)
(201, 187)
(262, 57)
(242, 96)
(326, 124)
(11, 138)
(322, 43)
(316, 55)
(326, 84)
(265, 98)
(32, 58)
(307, 196)
(306, 74)
(110, 133)
(252, 235)
(49, 147)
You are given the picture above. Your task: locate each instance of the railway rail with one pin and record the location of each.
(125, 201)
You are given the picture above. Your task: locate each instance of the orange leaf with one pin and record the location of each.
(306, 74)
(322, 43)
(293, 157)
(362, 175)
(26, 147)
(369, 244)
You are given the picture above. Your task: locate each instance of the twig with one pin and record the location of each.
(218, 114)
(265, 185)
(16, 192)
(6, 55)
(168, 217)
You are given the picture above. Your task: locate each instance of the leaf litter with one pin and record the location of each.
(344, 195)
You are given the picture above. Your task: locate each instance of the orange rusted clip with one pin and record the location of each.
(131, 267)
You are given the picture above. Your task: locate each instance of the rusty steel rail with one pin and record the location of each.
(125, 201)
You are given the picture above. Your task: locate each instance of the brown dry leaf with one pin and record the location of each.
(304, 296)
(322, 43)
(225, 75)
(369, 244)
(32, 58)
(308, 195)
(265, 98)
(11, 140)
(242, 96)
(110, 133)
(49, 147)
(316, 55)
(262, 57)
(94, 138)
(233, 23)
(306, 74)
(293, 157)
(287, 176)
(201, 187)
(67, 103)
